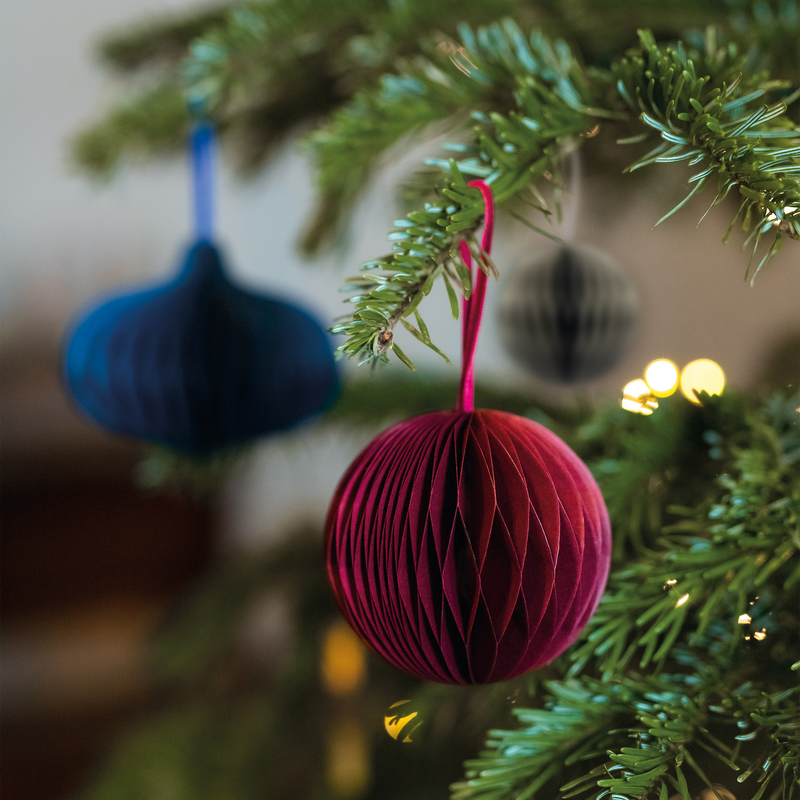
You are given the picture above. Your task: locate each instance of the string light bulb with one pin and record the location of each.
(343, 664)
(700, 375)
(637, 397)
(661, 376)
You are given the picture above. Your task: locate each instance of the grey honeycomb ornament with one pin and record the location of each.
(569, 316)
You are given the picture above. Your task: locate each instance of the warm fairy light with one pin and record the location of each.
(671, 582)
(702, 375)
(681, 601)
(661, 376)
(762, 634)
(395, 723)
(745, 619)
(343, 663)
(636, 397)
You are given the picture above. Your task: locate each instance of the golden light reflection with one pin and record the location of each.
(702, 375)
(636, 397)
(762, 634)
(661, 376)
(782, 224)
(744, 619)
(397, 723)
(681, 600)
(343, 663)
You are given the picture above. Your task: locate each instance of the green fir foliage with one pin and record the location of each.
(683, 678)
(701, 105)
(704, 115)
(261, 70)
(158, 122)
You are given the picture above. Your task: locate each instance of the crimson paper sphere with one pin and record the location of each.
(467, 546)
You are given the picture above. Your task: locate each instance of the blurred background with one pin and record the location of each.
(90, 562)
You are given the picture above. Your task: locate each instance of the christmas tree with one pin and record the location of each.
(684, 682)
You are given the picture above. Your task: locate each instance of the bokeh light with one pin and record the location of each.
(661, 376)
(637, 397)
(343, 662)
(702, 375)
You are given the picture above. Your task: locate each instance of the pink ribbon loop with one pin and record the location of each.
(473, 307)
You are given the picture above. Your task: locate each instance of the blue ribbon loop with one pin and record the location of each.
(202, 154)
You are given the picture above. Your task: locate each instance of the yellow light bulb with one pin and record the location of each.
(343, 660)
(702, 375)
(661, 376)
(636, 397)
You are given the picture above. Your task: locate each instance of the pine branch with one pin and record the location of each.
(163, 41)
(481, 75)
(642, 738)
(699, 103)
(574, 725)
(359, 40)
(708, 566)
(349, 145)
(776, 719)
(510, 152)
(155, 123)
(706, 113)
(263, 69)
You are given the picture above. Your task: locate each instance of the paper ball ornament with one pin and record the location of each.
(468, 546)
(570, 316)
(199, 364)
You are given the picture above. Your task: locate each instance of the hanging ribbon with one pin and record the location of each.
(473, 307)
(202, 155)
